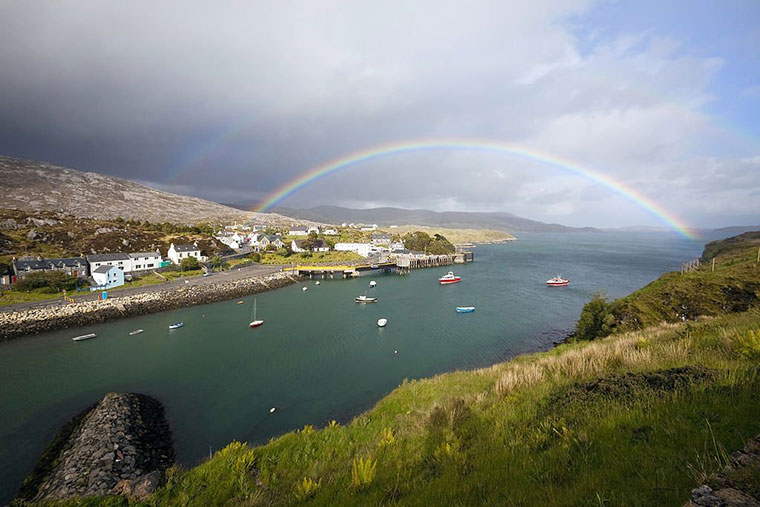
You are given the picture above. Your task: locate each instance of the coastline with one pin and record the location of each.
(35, 320)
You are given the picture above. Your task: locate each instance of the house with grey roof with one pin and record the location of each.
(72, 266)
(107, 277)
(118, 259)
(299, 230)
(142, 261)
(177, 253)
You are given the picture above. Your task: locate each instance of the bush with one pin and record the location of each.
(284, 252)
(255, 257)
(189, 263)
(55, 281)
(596, 318)
(307, 488)
(363, 472)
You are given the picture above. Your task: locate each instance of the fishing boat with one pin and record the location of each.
(465, 309)
(84, 337)
(449, 278)
(373, 284)
(136, 331)
(365, 299)
(176, 325)
(254, 322)
(382, 322)
(557, 281)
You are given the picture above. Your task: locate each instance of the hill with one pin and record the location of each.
(636, 418)
(38, 186)
(505, 222)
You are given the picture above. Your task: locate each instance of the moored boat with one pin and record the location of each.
(365, 299)
(449, 278)
(465, 309)
(255, 322)
(557, 281)
(382, 322)
(176, 325)
(305, 289)
(373, 283)
(84, 337)
(136, 331)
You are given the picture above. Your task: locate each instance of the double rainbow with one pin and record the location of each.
(388, 150)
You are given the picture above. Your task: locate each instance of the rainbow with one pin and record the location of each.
(399, 148)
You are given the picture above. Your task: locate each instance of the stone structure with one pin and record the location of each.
(121, 445)
(49, 318)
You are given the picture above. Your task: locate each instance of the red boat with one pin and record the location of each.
(448, 278)
(254, 322)
(557, 281)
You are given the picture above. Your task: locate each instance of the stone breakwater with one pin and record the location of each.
(120, 446)
(49, 318)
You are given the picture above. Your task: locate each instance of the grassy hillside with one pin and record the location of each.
(636, 418)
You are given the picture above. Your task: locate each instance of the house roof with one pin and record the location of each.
(144, 254)
(186, 248)
(380, 235)
(103, 269)
(318, 243)
(59, 263)
(272, 237)
(299, 228)
(118, 256)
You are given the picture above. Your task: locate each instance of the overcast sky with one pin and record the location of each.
(229, 100)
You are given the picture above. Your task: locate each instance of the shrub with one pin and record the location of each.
(256, 257)
(386, 437)
(55, 281)
(189, 263)
(596, 318)
(307, 488)
(363, 472)
(748, 345)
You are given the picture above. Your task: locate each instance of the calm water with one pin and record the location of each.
(319, 356)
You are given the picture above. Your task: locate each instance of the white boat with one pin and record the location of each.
(373, 283)
(84, 337)
(176, 325)
(365, 299)
(254, 322)
(305, 289)
(382, 322)
(136, 331)
(557, 281)
(317, 282)
(465, 309)
(449, 278)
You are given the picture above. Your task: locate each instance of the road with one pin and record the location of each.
(217, 277)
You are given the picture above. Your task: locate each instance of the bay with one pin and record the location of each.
(319, 356)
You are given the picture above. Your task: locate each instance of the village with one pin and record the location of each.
(237, 245)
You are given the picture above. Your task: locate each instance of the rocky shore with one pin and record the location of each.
(120, 446)
(50, 318)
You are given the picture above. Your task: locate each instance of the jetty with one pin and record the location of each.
(398, 263)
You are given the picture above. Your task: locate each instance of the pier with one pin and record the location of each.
(399, 263)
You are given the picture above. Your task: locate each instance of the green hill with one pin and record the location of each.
(636, 418)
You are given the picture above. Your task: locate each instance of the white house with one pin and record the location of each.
(397, 245)
(330, 231)
(142, 261)
(108, 276)
(319, 246)
(363, 249)
(372, 227)
(120, 260)
(314, 229)
(270, 239)
(299, 230)
(179, 252)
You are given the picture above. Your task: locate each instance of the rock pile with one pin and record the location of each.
(49, 318)
(737, 485)
(121, 445)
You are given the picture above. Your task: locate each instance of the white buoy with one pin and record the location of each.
(382, 322)
(272, 410)
(395, 351)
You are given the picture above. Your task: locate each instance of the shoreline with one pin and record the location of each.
(30, 321)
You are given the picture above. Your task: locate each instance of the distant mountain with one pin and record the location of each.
(726, 232)
(452, 219)
(39, 186)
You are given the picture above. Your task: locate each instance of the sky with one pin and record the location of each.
(232, 100)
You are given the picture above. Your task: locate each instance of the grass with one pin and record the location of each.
(639, 418)
(316, 258)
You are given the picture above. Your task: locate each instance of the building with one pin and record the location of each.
(365, 228)
(314, 229)
(380, 238)
(319, 245)
(363, 249)
(270, 239)
(179, 252)
(142, 261)
(330, 231)
(299, 230)
(72, 266)
(118, 259)
(107, 277)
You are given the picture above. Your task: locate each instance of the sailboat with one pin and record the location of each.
(254, 322)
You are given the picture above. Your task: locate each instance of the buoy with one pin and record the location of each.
(382, 322)
(395, 351)
(272, 410)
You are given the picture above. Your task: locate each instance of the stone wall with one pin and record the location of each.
(50, 318)
(121, 445)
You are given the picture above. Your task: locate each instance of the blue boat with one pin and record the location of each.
(465, 309)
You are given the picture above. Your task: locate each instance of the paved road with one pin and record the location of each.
(223, 276)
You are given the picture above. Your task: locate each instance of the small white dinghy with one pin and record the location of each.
(176, 325)
(317, 282)
(305, 289)
(84, 337)
(373, 283)
(136, 331)
(382, 322)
